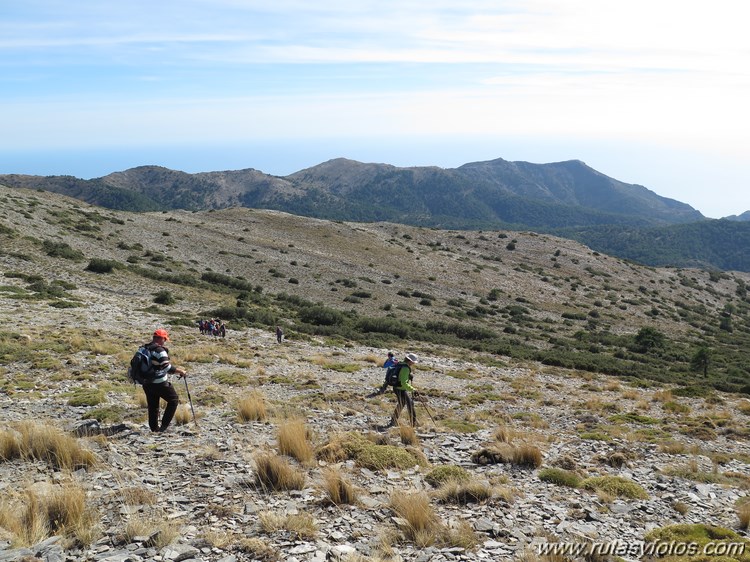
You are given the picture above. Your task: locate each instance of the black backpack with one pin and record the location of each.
(141, 369)
(391, 374)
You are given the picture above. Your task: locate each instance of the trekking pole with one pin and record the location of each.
(184, 378)
(427, 409)
(428, 413)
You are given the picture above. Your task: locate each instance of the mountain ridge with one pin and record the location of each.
(563, 198)
(570, 183)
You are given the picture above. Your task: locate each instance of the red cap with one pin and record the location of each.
(161, 333)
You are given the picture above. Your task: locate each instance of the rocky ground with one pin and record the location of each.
(202, 477)
(193, 494)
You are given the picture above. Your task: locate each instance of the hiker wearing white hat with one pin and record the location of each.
(402, 390)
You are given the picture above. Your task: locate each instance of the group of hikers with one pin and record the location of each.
(156, 384)
(213, 327)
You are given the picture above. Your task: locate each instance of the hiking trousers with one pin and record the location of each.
(154, 393)
(403, 398)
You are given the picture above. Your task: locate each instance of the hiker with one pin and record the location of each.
(403, 398)
(390, 362)
(160, 387)
(279, 334)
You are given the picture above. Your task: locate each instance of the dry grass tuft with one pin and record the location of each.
(139, 398)
(527, 455)
(419, 522)
(36, 516)
(252, 408)
(258, 549)
(663, 396)
(182, 415)
(218, 539)
(160, 531)
(293, 441)
(10, 446)
(743, 513)
(301, 524)
(672, 448)
(421, 525)
(370, 358)
(503, 434)
(616, 486)
(275, 474)
(408, 435)
(338, 489)
(48, 444)
(744, 407)
(209, 453)
(137, 496)
(463, 493)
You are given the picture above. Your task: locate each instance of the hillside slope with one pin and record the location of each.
(514, 331)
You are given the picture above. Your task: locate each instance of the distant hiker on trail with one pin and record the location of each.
(159, 387)
(279, 334)
(390, 362)
(402, 389)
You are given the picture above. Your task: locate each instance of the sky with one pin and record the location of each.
(648, 92)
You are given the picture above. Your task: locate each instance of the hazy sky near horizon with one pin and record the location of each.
(652, 93)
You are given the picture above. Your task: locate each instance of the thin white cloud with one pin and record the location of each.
(91, 73)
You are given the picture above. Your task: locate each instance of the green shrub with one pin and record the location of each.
(106, 414)
(368, 454)
(560, 477)
(441, 474)
(231, 378)
(320, 315)
(700, 535)
(100, 265)
(164, 297)
(86, 397)
(616, 486)
(61, 250)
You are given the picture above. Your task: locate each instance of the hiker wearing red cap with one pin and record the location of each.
(159, 387)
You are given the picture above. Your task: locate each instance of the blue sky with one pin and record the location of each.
(653, 93)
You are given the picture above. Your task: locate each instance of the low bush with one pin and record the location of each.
(560, 477)
(615, 486)
(441, 474)
(100, 265)
(368, 454)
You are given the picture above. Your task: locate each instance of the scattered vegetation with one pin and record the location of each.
(252, 407)
(275, 474)
(337, 488)
(615, 486)
(30, 440)
(293, 440)
(369, 454)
